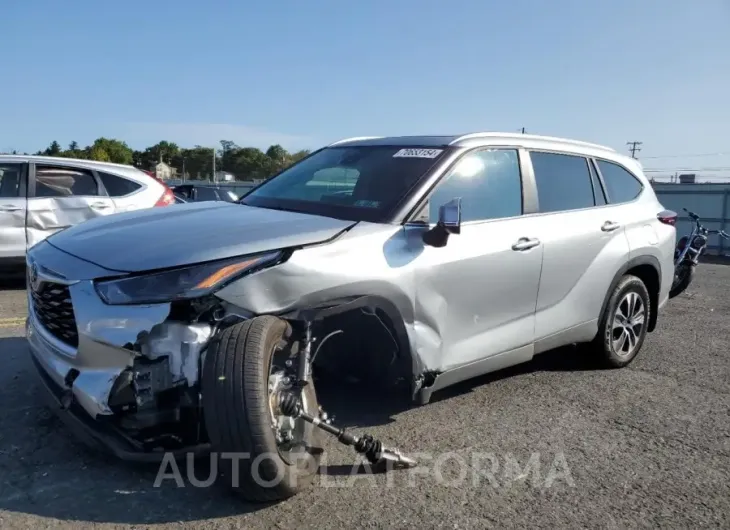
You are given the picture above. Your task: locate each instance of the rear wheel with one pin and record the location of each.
(624, 324)
(263, 455)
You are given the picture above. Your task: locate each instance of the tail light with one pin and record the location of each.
(167, 197)
(667, 217)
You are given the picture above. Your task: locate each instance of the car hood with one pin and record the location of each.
(185, 234)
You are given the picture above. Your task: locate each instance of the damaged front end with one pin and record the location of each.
(132, 383)
(156, 401)
(128, 376)
(125, 365)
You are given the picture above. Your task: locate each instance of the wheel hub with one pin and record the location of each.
(628, 323)
(284, 427)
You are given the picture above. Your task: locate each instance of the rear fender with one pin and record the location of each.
(646, 260)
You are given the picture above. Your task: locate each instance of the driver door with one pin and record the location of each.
(12, 210)
(478, 293)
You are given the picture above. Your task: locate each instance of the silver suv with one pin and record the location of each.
(428, 259)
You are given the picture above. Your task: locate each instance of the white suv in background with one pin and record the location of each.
(40, 195)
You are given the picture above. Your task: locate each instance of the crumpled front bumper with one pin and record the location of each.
(80, 380)
(100, 435)
(88, 372)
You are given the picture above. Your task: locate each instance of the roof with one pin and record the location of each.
(473, 140)
(78, 162)
(61, 159)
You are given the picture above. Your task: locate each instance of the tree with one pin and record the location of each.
(251, 163)
(116, 151)
(164, 151)
(97, 152)
(73, 151)
(227, 155)
(244, 162)
(296, 157)
(53, 150)
(198, 161)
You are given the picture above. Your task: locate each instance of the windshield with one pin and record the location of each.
(362, 183)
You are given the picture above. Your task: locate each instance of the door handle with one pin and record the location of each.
(100, 205)
(8, 208)
(610, 226)
(525, 243)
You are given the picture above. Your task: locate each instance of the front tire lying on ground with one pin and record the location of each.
(624, 323)
(241, 368)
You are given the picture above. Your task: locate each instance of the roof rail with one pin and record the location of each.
(354, 138)
(63, 159)
(531, 137)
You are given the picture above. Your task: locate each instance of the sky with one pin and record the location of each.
(303, 74)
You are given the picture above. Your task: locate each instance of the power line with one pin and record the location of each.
(634, 147)
(691, 155)
(689, 169)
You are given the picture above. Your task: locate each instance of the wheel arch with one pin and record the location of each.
(394, 320)
(648, 269)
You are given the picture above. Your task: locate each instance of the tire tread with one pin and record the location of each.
(235, 403)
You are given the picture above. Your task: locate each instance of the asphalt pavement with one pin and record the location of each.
(554, 443)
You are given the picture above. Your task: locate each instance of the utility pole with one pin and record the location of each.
(634, 147)
(213, 176)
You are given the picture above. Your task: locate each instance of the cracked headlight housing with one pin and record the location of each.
(182, 283)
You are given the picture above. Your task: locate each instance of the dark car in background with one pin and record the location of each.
(198, 193)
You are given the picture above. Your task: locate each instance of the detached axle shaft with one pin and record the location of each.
(378, 455)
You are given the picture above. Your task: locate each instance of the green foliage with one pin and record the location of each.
(108, 150)
(197, 162)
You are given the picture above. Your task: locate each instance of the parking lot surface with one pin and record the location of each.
(555, 443)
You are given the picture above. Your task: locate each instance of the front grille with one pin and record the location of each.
(53, 309)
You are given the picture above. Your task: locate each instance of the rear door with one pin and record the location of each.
(61, 196)
(585, 244)
(13, 204)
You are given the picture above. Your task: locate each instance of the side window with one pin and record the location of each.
(118, 186)
(488, 183)
(57, 181)
(205, 194)
(563, 182)
(598, 195)
(10, 177)
(621, 185)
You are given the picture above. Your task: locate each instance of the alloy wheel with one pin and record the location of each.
(628, 324)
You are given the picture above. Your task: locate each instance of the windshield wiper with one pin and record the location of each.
(279, 208)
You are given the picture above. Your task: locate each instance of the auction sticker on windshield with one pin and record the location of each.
(418, 153)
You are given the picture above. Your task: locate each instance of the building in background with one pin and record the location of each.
(164, 172)
(224, 176)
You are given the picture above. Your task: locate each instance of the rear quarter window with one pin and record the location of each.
(621, 186)
(118, 186)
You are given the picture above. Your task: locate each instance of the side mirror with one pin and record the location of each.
(450, 216)
(449, 223)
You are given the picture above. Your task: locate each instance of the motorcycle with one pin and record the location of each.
(688, 251)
